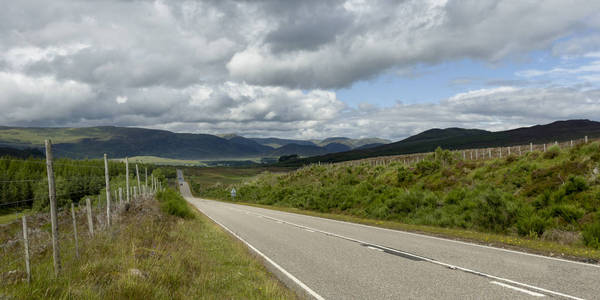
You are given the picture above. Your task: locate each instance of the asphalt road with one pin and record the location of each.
(328, 259)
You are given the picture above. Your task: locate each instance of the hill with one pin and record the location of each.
(93, 142)
(538, 198)
(459, 138)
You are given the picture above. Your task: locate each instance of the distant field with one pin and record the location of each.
(206, 177)
(165, 161)
(36, 136)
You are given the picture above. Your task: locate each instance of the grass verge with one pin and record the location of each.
(536, 246)
(149, 254)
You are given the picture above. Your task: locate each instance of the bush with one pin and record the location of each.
(172, 203)
(591, 235)
(569, 213)
(552, 152)
(575, 184)
(405, 176)
(531, 225)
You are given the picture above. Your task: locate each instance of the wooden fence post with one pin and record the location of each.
(120, 196)
(530, 147)
(508, 151)
(586, 139)
(137, 172)
(146, 179)
(106, 177)
(88, 205)
(75, 230)
(26, 248)
(53, 216)
(489, 153)
(544, 147)
(571, 143)
(127, 177)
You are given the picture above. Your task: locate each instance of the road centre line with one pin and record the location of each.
(407, 254)
(518, 289)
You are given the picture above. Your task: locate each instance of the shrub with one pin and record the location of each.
(405, 176)
(575, 184)
(552, 152)
(591, 235)
(427, 167)
(569, 213)
(172, 203)
(531, 224)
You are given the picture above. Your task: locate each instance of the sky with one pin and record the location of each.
(299, 69)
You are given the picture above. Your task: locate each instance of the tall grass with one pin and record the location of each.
(535, 195)
(149, 255)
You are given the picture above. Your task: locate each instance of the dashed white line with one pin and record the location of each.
(453, 267)
(374, 248)
(307, 230)
(528, 292)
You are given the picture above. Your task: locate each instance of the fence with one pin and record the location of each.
(27, 239)
(475, 154)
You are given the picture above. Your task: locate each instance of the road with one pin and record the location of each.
(328, 259)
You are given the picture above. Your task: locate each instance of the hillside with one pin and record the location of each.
(547, 196)
(458, 138)
(93, 142)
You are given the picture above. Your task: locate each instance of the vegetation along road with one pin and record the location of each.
(331, 259)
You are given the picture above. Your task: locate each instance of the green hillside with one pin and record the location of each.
(459, 138)
(549, 196)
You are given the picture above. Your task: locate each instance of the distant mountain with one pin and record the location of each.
(20, 153)
(459, 138)
(93, 142)
(276, 142)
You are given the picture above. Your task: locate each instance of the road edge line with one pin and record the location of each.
(283, 271)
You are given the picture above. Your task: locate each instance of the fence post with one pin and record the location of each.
(544, 147)
(489, 153)
(75, 230)
(127, 177)
(137, 172)
(146, 179)
(106, 177)
(88, 205)
(586, 139)
(519, 150)
(26, 246)
(571, 143)
(530, 147)
(120, 196)
(53, 217)
(508, 151)
(134, 192)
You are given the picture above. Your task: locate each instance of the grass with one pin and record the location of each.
(549, 248)
(8, 217)
(150, 255)
(548, 200)
(172, 203)
(165, 161)
(210, 176)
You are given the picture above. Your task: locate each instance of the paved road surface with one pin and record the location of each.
(330, 259)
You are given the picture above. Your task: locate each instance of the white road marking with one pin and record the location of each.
(431, 237)
(281, 269)
(454, 267)
(308, 230)
(374, 248)
(518, 289)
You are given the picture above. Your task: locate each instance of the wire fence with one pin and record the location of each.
(26, 241)
(473, 154)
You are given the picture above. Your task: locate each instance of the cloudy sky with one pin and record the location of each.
(299, 69)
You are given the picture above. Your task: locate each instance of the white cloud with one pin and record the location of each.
(267, 67)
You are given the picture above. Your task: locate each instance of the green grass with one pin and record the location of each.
(172, 202)
(532, 245)
(8, 217)
(210, 176)
(164, 161)
(536, 199)
(177, 259)
(36, 136)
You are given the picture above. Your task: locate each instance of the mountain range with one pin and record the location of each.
(460, 138)
(93, 142)
(117, 142)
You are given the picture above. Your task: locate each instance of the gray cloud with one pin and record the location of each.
(265, 67)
